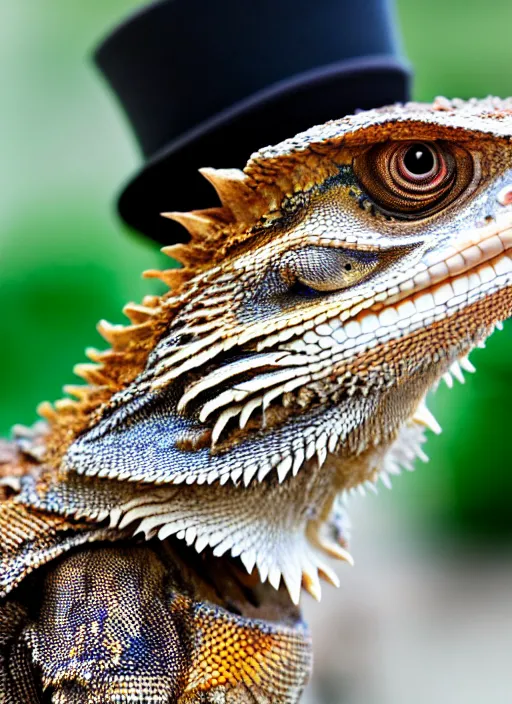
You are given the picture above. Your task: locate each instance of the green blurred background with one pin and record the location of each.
(66, 261)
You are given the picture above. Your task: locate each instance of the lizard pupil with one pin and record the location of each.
(419, 160)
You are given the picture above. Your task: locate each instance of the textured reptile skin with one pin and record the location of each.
(158, 526)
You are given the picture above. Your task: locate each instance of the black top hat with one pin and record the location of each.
(207, 82)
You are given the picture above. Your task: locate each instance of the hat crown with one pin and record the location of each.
(177, 62)
(186, 70)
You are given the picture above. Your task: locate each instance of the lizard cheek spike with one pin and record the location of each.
(344, 273)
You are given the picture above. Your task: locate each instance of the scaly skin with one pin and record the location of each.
(287, 365)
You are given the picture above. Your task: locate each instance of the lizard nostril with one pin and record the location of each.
(505, 196)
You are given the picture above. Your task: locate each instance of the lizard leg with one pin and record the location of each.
(116, 625)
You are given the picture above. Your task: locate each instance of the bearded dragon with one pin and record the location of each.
(158, 525)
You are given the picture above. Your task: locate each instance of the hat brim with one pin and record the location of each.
(170, 179)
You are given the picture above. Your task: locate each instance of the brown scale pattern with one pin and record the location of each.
(230, 652)
(30, 539)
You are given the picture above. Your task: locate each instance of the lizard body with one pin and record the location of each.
(345, 272)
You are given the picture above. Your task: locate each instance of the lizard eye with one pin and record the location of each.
(311, 271)
(413, 177)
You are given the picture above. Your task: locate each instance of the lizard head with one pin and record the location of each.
(347, 271)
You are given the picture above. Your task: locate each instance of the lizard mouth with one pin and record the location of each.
(480, 265)
(303, 388)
